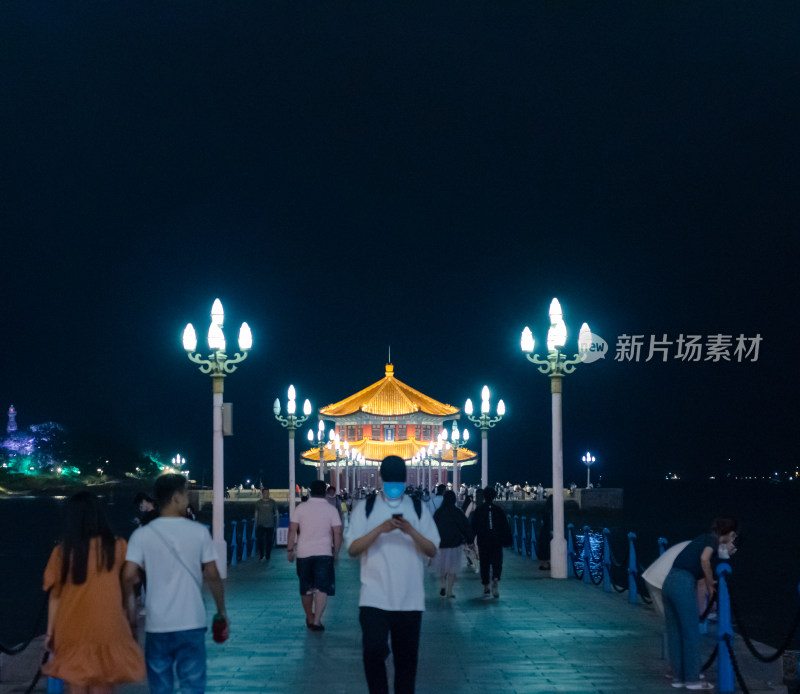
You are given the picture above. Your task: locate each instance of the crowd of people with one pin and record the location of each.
(98, 583)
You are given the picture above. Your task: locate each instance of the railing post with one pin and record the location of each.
(631, 568)
(570, 553)
(606, 561)
(662, 545)
(253, 540)
(587, 554)
(233, 544)
(534, 553)
(244, 540)
(522, 521)
(725, 681)
(515, 546)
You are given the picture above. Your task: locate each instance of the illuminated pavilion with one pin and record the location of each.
(387, 418)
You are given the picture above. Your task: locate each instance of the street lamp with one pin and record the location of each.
(320, 443)
(218, 365)
(588, 460)
(484, 423)
(291, 422)
(177, 465)
(456, 443)
(556, 366)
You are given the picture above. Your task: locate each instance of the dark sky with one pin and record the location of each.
(349, 176)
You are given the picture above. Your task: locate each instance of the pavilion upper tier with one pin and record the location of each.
(388, 418)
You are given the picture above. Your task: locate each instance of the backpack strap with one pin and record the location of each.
(370, 502)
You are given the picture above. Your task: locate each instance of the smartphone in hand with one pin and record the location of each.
(397, 516)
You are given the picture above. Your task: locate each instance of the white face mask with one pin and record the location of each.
(722, 552)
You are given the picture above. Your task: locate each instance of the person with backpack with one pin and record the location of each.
(394, 535)
(492, 533)
(455, 532)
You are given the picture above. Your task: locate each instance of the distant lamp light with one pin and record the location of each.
(501, 408)
(307, 407)
(189, 338)
(276, 407)
(311, 436)
(468, 406)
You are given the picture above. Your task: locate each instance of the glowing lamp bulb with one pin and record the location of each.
(501, 408)
(584, 338)
(291, 407)
(216, 340)
(527, 342)
(189, 338)
(276, 407)
(485, 393)
(292, 393)
(311, 436)
(468, 406)
(556, 314)
(307, 407)
(484, 407)
(217, 314)
(245, 338)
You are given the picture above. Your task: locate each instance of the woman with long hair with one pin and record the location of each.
(88, 636)
(694, 563)
(454, 531)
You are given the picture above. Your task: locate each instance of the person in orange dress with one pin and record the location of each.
(90, 641)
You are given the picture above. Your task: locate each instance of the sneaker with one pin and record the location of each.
(495, 590)
(442, 592)
(700, 685)
(486, 592)
(677, 684)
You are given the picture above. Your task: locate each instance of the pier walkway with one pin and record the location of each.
(541, 635)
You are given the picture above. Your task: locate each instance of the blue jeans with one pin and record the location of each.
(186, 650)
(679, 594)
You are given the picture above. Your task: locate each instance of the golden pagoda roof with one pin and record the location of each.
(375, 451)
(388, 397)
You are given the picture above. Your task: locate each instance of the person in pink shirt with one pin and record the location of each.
(315, 536)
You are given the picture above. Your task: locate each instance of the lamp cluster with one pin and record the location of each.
(218, 362)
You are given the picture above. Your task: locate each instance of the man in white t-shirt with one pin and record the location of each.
(315, 536)
(395, 536)
(176, 554)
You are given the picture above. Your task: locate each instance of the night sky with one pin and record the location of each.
(347, 177)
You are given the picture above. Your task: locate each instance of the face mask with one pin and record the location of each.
(722, 552)
(394, 490)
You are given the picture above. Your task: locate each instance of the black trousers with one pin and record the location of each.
(376, 625)
(264, 540)
(491, 556)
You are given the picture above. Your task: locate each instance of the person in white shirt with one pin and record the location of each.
(176, 553)
(315, 536)
(395, 536)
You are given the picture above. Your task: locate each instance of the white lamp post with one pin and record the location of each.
(556, 366)
(457, 442)
(218, 365)
(484, 423)
(320, 443)
(291, 422)
(588, 461)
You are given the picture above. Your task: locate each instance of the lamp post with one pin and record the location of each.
(218, 365)
(588, 460)
(484, 423)
(556, 366)
(320, 443)
(456, 443)
(291, 422)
